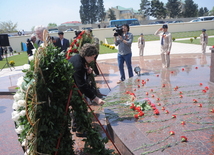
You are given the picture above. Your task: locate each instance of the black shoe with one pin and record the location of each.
(81, 134)
(74, 129)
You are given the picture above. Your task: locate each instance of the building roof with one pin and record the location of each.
(122, 8)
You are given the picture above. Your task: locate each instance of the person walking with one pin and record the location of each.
(204, 40)
(166, 44)
(141, 44)
(124, 43)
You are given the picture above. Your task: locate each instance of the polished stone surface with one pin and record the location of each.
(150, 133)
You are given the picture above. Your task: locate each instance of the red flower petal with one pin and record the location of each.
(200, 84)
(183, 123)
(183, 139)
(136, 116)
(173, 116)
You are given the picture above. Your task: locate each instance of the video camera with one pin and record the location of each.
(119, 31)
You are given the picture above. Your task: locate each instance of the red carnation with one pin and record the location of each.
(147, 79)
(156, 112)
(154, 108)
(138, 86)
(195, 101)
(163, 108)
(138, 80)
(152, 105)
(181, 92)
(147, 93)
(138, 109)
(151, 90)
(136, 116)
(182, 69)
(204, 91)
(171, 132)
(200, 105)
(152, 95)
(212, 110)
(166, 111)
(200, 84)
(158, 99)
(157, 75)
(196, 67)
(140, 113)
(183, 123)
(173, 116)
(158, 104)
(183, 139)
(163, 85)
(207, 88)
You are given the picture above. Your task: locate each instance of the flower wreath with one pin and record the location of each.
(78, 42)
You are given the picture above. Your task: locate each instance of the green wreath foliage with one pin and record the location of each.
(44, 126)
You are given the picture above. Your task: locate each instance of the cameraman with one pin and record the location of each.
(124, 41)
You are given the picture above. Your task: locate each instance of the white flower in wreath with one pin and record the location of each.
(22, 113)
(15, 115)
(30, 58)
(20, 80)
(26, 66)
(19, 129)
(21, 103)
(15, 105)
(30, 136)
(18, 96)
(25, 142)
(27, 152)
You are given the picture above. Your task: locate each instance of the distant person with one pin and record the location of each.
(98, 26)
(141, 44)
(39, 34)
(61, 42)
(124, 41)
(10, 50)
(105, 26)
(23, 32)
(5, 51)
(166, 44)
(19, 33)
(30, 45)
(204, 40)
(1, 53)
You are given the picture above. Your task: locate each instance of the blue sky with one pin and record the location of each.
(28, 13)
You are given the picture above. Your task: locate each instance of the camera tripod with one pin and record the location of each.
(7, 63)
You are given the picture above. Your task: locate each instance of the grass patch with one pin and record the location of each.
(106, 50)
(176, 35)
(196, 41)
(19, 59)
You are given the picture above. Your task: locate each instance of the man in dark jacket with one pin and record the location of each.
(61, 42)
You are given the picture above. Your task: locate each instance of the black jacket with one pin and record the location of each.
(81, 77)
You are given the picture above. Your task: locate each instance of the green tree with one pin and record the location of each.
(201, 11)
(100, 11)
(111, 15)
(157, 9)
(8, 27)
(88, 11)
(211, 12)
(145, 8)
(52, 25)
(173, 8)
(206, 11)
(190, 9)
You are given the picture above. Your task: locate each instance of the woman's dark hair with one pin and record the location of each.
(126, 25)
(88, 50)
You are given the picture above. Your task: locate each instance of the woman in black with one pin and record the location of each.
(80, 63)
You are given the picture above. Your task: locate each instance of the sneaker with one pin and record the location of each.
(118, 82)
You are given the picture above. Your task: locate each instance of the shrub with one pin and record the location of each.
(101, 42)
(195, 37)
(14, 51)
(191, 40)
(173, 39)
